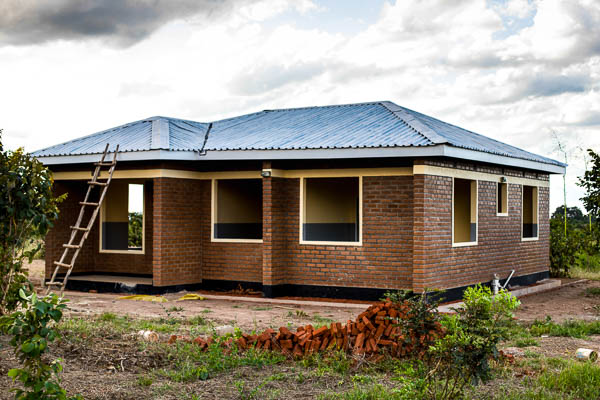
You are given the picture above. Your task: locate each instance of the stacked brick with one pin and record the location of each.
(373, 332)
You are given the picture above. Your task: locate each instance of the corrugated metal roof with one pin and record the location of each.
(363, 125)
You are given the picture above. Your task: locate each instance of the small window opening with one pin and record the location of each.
(502, 200)
(123, 217)
(239, 211)
(530, 212)
(331, 210)
(465, 211)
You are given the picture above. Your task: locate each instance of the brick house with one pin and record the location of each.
(340, 201)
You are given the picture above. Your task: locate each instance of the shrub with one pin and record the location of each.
(27, 209)
(563, 249)
(461, 357)
(32, 329)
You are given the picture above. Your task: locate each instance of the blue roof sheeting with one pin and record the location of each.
(351, 126)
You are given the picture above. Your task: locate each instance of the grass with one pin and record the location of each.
(189, 363)
(593, 292)
(109, 325)
(570, 328)
(320, 321)
(584, 273)
(580, 380)
(526, 342)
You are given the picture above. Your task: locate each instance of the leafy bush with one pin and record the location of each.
(420, 325)
(32, 329)
(461, 357)
(563, 249)
(27, 209)
(135, 229)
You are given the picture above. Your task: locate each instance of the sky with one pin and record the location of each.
(525, 72)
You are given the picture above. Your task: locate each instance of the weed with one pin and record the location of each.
(262, 308)
(175, 309)
(592, 292)
(206, 311)
(107, 317)
(374, 392)
(144, 380)
(526, 342)
(570, 328)
(580, 380)
(321, 321)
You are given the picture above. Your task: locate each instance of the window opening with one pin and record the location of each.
(123, 217)
(502, 198)
(238, 209)
(465, 210)
(331, 210)
(530, 212)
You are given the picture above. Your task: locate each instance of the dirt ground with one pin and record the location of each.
(111, 368)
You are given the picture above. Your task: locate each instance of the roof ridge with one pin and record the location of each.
(325, 106)
(417, 125)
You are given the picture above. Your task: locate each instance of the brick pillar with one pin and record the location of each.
(267, 247)
(157, 222)
(419, 264)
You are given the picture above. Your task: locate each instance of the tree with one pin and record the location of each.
(574, 216)
(27, 210)
(590, 181)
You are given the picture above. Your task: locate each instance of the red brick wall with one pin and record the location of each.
(177, 223)
(439, 265)
(226, 260)
(384, 259)
(90, 260)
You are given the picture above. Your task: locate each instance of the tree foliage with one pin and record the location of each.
(27, 209)
(590, 181)
(135, 229)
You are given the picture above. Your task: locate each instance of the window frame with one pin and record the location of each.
(537, 213)
(213, 214)
(476, 242)
(101, 213)
(498, 185)
(302, 213)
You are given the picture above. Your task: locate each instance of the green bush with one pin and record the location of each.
(461, 357)
(27, 209)
(32, 330)
(563, 249)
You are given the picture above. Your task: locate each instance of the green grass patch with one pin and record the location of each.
(320, 321)
(592, 292)
(190, 363)
(584, 273)
(526, 342)
(571, 328)
(579, 379)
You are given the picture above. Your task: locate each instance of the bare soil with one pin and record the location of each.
(110, 368)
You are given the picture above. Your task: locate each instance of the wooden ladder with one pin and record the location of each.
(77, 228)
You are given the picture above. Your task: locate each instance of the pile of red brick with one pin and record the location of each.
(373, 330)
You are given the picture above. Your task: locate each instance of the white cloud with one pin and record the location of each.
(439, 57)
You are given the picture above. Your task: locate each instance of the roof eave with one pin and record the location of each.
(375, 152)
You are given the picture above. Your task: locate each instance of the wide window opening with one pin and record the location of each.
(123, 217)
(331, 210)
(502, 198)
(465, 211)
(238, 213)
(530, 212)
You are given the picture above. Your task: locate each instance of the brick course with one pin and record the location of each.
(406, 236)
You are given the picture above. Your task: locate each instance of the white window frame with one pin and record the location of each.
(213, 214)
(303, 213)
(537, 221)
(476, 242)
(501, 214)
(143, 250)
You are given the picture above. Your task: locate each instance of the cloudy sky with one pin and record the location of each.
(520, 71)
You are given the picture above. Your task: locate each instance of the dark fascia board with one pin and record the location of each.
(306, 154)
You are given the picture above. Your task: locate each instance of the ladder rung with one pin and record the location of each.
(54, 283)
(59, 264)
(97, 183)
(87, 203)
(104, 164)
(79, 228)
(71, 246)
